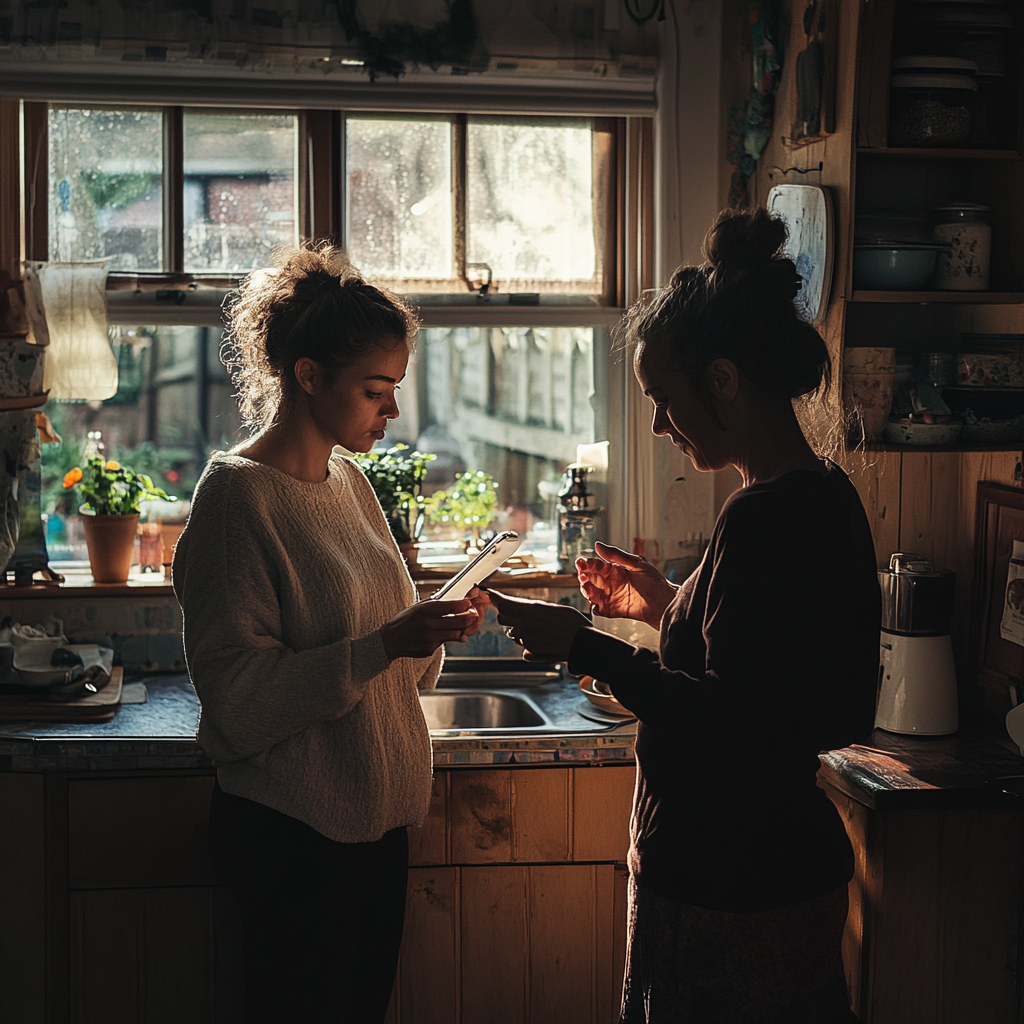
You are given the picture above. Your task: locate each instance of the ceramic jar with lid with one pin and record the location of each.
(965, 229)
(932, 98)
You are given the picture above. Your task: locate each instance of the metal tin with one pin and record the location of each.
(917, 598)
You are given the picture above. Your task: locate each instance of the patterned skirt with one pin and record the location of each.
(689, 965)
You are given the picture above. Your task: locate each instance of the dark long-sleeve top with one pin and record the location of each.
(769, 655)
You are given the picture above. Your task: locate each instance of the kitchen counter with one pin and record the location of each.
(161, 734)
(901, 772)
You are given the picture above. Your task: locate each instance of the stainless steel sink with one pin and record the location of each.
(481, 711)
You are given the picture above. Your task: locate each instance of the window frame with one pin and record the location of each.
(321, 199)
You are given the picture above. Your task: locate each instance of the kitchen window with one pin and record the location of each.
(503, 230)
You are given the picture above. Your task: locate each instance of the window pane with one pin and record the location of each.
(398, 177)
(173, 407)
(106, 170)
(513, 402)
(529, 199)
(240, 198)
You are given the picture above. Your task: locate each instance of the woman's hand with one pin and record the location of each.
(544, 631)
(419, 630)
(623, 586)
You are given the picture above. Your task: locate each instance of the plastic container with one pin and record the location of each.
(964, 229)
(930, 109)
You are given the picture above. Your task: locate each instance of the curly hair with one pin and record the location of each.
(739, 306)
(313, 303)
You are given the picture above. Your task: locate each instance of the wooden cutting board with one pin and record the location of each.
(95, 707)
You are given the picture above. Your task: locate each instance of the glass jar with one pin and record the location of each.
(965, 230)
(930, 110)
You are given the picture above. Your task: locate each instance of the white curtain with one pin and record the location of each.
(67, 310)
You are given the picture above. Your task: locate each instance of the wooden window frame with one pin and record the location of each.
(321, 199)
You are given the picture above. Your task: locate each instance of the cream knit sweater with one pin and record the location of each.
(284, 586)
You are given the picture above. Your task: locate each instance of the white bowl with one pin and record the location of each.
(42, 676)
(905, 432)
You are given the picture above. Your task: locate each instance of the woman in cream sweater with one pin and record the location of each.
(307, 646)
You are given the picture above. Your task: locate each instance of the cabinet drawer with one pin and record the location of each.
(128, 833)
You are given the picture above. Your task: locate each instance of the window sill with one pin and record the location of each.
(80, 584)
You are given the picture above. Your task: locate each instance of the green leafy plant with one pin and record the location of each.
(110, 489)
(397, 480)
(471, 502)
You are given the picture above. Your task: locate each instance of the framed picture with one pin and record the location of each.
(998, 621)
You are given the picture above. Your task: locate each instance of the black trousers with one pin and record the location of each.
(321, 921)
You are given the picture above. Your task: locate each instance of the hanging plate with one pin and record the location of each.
(806, 211)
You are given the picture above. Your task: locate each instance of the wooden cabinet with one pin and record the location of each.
(933, 934)
(516, 908)
(517, 898)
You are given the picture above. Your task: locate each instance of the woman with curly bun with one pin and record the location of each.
(307, 646)
(769, 654)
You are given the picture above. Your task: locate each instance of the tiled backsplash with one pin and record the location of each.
(145, 630)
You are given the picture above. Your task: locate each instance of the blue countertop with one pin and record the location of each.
(161, 734)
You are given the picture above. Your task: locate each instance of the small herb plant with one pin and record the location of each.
(397, 480)
(109, 489)
(471, 502)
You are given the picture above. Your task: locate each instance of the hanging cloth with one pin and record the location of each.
(67, 309)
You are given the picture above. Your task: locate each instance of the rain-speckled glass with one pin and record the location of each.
(240, 197)
(530, 199)
(105, 187)
(398, 181)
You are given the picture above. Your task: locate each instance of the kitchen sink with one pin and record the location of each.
(481, 711)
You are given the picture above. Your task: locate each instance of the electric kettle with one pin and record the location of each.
(917, 693)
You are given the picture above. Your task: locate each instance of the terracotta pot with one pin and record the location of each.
(411, 554)
(111, 542)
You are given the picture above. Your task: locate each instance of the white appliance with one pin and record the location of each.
(917, 694)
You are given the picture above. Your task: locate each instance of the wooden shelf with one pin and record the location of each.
(930, 297)
(915, 153)
(960, 446)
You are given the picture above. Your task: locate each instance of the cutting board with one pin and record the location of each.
(96, 707)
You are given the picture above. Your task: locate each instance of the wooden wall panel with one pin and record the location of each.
(876, 475)
(481, 816)
(429, 844)
(125, 833)
(564, 954)
(22, 897)
(602, 802)
(428, 982)
(494, 945)
(946, 941)
(142, 955)
(540, 814)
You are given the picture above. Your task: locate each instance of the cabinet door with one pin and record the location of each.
(522, 944)
(142, 955)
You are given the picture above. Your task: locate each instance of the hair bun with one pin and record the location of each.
(744, 241)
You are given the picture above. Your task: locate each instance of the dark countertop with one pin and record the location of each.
(903, 772)
(161, 734)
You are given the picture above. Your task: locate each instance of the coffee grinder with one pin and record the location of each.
(917, 693)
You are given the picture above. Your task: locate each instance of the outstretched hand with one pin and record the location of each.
(544, 631)
(619, 585)
(418, 631)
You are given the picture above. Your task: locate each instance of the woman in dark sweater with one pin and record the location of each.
(769, 655)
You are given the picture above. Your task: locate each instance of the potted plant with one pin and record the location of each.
(397, 480)
(471, 503)
(110, 513)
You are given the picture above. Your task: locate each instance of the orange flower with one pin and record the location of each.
(112, 465)
(71, 477)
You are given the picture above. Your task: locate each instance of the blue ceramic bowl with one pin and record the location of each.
(893, 266)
